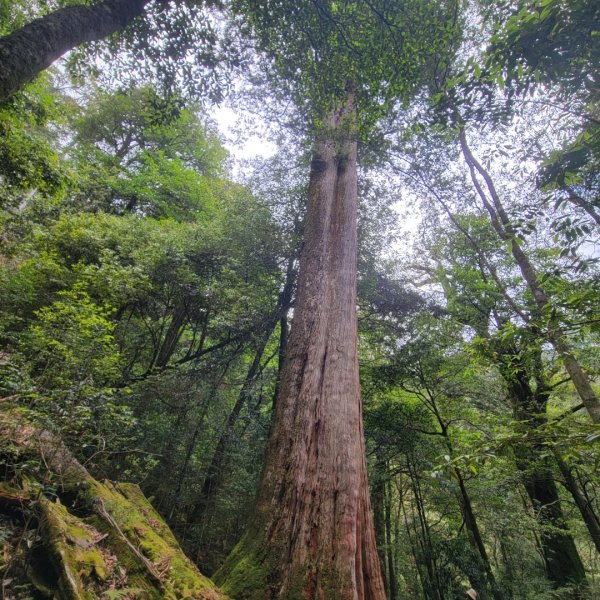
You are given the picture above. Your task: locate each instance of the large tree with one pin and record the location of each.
(168, 39)
(312, 534)
(29, 50)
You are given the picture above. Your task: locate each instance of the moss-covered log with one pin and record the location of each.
(95, 539)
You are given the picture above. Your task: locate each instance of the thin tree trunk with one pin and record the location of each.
(585, 508)
(378, 500)
(477, 540)
(464, 500)
(576, 199)
(191, 446)
(503, 227)
(472, 527)
(172, 336)
(561, 558)
(285, 303)
(395, 550)
(312, 533)
(170, 455)
(29, 50)
(509, 571)
(420, 576)
(214, 473)
(433, 586)
(389, 548)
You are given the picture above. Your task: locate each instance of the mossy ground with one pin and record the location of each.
(75, 551)
(103, 540)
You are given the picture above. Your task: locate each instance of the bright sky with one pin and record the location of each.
(242, 144)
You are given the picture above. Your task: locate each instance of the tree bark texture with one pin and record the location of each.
(504, 228)
(312, 535)
(32, 48)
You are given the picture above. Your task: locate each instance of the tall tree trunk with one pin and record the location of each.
(477, 541)
(312, 533)
(562, 561)
(285, 303)
(472, 526)
(481, 584)
(505, 230)
(172, 336)
(32, 48)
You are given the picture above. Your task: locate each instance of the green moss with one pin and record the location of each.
(146, 530)
(246, 580)
(81, 563)
(8, 489)
(92, 563)
(73, 551)
(93, 554)
(245, 574)
(252, 568)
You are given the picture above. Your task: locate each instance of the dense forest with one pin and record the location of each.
(344, 349)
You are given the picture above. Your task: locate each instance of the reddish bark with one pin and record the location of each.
(312, 535)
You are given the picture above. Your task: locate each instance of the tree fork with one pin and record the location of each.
(312, 533)
(29, 50)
